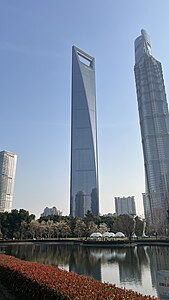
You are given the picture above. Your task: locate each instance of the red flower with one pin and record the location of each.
(29, 280)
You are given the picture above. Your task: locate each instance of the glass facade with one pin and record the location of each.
(125, 205)
(7, 178)
(84, 161)
(154, 124)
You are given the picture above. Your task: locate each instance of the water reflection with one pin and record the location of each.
(163, 284)
(159, 265)
(134, 267)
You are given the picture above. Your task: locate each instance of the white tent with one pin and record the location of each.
(119, 234)
(96, 234)
(111, 234)
(108, 234)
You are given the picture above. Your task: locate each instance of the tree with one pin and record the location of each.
(56, 228)
(64, 229)
(49, 228)
(91, 227)
(103, 228)
(80, 228)
(1, 235)
(11, 223)
(139, 226)
(34, 228)
(89, 216)
(25, 216)
(125, 224)
(72, 224)
(42, 230)
(108, 220)
(23, 229)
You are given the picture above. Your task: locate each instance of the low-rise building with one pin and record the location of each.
(53, 211)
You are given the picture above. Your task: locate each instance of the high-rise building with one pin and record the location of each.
(125, 205)
(154, 124)
(7, 179)
(84, 160)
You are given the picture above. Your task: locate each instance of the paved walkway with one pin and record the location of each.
(4, 294)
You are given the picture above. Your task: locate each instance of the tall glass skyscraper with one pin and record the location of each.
(7, 179)
(84, 158)
(154, 124)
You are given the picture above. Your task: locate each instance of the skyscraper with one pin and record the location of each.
(84, 160)
(125, 205)
(7, 178)
(154, 124)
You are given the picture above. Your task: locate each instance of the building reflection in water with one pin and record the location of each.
(129, 268)
(82, 262)
(134, 264)
(159, 265)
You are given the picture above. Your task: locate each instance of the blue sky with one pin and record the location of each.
(36, 37)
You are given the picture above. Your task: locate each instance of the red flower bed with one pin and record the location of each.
(29, 280)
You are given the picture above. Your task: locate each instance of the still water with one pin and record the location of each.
(135, 268)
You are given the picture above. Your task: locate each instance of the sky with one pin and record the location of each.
(36, 39)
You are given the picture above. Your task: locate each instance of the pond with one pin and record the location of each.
(141, 268)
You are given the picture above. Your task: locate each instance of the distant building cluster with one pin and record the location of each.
(53, 211)
(154, 125)
(125, 205)
(7, 179)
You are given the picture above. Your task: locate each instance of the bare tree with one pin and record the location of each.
(34, 227)
(91, 227)
(103, 228)
(80, 228)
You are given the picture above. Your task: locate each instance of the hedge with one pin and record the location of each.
(30, 280)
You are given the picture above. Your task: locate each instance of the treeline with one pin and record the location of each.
(22, 225)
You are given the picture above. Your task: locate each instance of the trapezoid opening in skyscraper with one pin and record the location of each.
(84, 195)
(154, 125)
